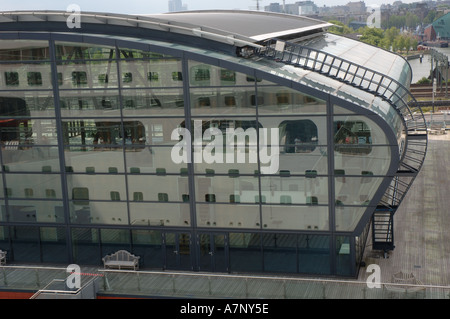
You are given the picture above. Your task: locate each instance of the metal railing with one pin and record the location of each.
(207, 285)
(57, 289)
(202, 285)
(350, 73)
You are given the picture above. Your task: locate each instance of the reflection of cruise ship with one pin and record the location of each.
(88, 127)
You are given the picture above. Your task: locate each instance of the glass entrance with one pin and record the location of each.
(178, 251)
(213, 255)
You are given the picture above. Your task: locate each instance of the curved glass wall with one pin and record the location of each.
(127, 138)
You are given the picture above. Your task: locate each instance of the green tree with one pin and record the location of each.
(339, 28)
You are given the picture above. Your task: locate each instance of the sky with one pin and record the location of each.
(158, 6)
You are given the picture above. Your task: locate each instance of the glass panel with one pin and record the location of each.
(21, 134)
(226, 189)
(100, 160)
(343, 254)
(298, 134)
(54, 245)
(151, 73)
(25, 76)
(130, 54)
(355, 160)
(30, 159)
(227, 144)
(356, 190)
(86, 247)
(314, 254)
(245, 252)
(101, 134)
(282, 100)
(32, 185)
(294, 190)
(159, 214)
(4, 238)
(153, 102)
(158, 188)
(97, 74)
(152, 131)
(31, 211)
(113, 240)
(280, 253)
(310, 164)
(153, 160)
(24, 50)
(104, 103)
(76, 51)
(99, 186)
(223, 101)
(202, 74)
(148, 245)
(84, 211)
(357, 131)
(230, 216)
(25, 244)
(26, 104)
(347, 218)
(309, 217)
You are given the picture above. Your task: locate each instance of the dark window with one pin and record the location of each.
(79, 78)
(12, 78)
(34, 78)
(299, 136)
(352, 137)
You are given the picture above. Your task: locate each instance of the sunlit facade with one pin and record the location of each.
(87, 122)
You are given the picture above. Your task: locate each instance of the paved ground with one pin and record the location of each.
(422, 223)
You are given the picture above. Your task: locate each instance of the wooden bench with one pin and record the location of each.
(121, 259)
(2, 257)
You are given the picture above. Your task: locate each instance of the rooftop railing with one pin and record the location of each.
(206, 285)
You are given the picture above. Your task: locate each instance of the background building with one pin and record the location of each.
(87, 121)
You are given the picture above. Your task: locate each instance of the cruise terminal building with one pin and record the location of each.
(90, 118)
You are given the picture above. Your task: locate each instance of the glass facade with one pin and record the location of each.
(88, 134)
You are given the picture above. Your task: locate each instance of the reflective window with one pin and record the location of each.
(311, 189)
(162, 73)
(32, 185)
(153, 160)
(83, 51)
(223, 101)
(89, 74)
(314, 254)
(153, 102)
(25, 76)
(160, 214)
(30, 159)
(86, 248)
(222, 215)
(361, 131)
(287, 216)
(93, 103)
(26, 104)
(24, 50)
(356, 190)
(245, 252)
(226, 189)
(280, 253)
(280, 100)
(32, 211)
(166, 188)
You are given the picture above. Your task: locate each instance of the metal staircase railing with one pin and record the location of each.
(388, 89)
